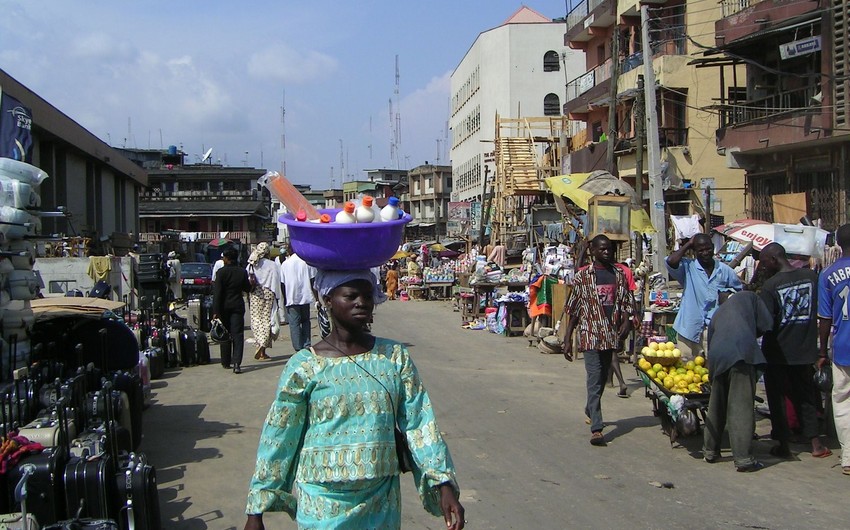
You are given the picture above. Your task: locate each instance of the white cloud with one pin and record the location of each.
(100, 46)
(283, 63)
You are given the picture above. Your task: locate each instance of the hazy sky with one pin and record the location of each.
(203, 74)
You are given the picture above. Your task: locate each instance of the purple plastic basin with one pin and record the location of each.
(332, 246)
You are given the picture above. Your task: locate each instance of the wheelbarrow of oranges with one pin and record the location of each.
(679, 389)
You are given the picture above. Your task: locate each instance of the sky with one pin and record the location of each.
(216, 74)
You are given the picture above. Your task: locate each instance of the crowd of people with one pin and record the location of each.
(787, 324)
(353, 397)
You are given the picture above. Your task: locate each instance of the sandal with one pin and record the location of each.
(264, 357)
(845, 470)
(598, 440)
(623, 393)
(823, 454)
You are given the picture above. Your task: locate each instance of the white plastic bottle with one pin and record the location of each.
(346, 215)
(390, 211)
(364, 213)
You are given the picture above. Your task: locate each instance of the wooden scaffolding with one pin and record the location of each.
(527, 150)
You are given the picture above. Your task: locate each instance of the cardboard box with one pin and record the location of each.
(559, 298)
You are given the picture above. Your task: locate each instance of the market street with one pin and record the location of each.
(513, 419)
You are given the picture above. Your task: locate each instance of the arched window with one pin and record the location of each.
(551, 61)
(551, 105)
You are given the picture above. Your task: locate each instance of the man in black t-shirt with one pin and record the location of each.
(791, 349)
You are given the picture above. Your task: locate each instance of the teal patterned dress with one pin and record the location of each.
(327, 451)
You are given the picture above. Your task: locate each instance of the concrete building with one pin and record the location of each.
(516, 69)
(201, 202)
(784, 107)
(680, 31)
(333, 198)
(430, 189)
(95, 183)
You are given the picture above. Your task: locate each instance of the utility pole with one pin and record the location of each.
(485, 217)
(653, 153)
(612, 107)
(640, 135)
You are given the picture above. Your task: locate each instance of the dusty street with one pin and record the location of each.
(514, 421)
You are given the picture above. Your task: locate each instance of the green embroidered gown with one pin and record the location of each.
(327, 451)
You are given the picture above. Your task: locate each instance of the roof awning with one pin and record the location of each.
(791, 23)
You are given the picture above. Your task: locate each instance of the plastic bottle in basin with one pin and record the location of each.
(286, 193)
(364, 212)
(346, 215)
(390, 211)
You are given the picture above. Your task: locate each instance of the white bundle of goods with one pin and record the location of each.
(18, 319)
(17, 224)
(25, 253)
(22, 284)
(17, 170)
(19, 183)
(18, 194)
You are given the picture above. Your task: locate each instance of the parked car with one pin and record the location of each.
(196, 278)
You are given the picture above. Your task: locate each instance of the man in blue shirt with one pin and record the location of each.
(833, 294)
(702, 279)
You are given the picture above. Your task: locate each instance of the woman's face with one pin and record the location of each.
(352, 303)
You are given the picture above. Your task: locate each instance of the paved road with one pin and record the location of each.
(514, 421)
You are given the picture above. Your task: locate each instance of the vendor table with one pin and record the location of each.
(439, 290)
(516, 315)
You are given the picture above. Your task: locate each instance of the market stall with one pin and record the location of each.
(438, 282)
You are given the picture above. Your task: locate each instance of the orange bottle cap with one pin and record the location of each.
(325, 218)
(368, 200)
(349, 207)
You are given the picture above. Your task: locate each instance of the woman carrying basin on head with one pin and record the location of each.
(327, 453)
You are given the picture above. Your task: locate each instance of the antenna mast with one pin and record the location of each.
(283, 135)
(341, 163)
(397, 132)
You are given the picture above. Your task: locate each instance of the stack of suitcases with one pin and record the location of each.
(69, 451)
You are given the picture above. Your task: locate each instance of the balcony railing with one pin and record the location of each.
(580, 12)
(156, 194)
(743, 112)
(243, 236)
(730, 7)
(588, 80)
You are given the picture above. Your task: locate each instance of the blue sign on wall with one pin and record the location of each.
(15, 129)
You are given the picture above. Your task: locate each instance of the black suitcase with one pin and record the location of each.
(202, 348)
(90, 489)
(45, 488)
(156, 362)
(131, 384)
(137, 491)
(188, 354)
(83, 524)
(101, 289)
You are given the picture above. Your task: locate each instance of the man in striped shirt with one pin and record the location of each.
(603, 308)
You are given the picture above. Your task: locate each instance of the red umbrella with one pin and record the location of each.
(761, 233)
(220, 242)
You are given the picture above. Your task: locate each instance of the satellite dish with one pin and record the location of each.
(206, 155)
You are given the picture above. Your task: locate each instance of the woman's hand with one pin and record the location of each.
(452, 510)
(255, 522)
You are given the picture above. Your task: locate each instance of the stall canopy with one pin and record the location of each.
(570, 186)
(796, 239)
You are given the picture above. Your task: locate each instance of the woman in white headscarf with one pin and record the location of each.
(264, 298)
(350, 415)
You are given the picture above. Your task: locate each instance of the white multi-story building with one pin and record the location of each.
(517, 69)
